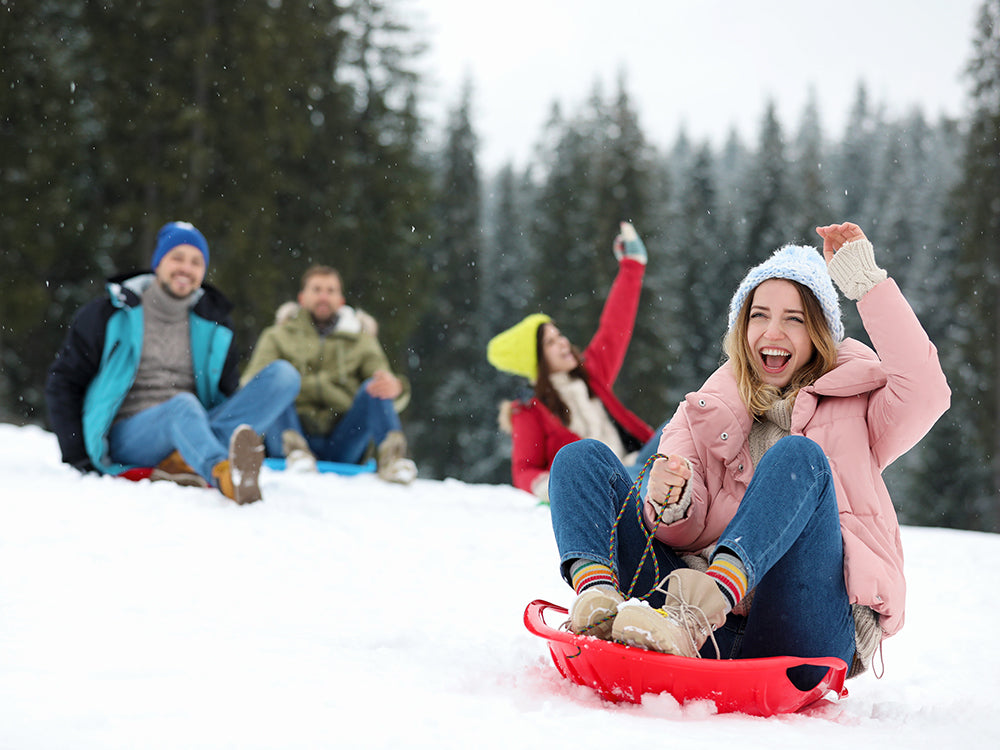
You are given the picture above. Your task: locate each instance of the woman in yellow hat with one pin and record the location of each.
(573, 397)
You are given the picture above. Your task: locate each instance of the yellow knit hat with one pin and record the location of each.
(516, 349)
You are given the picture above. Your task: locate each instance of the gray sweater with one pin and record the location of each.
(165, 367)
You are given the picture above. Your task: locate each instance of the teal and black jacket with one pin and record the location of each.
(98, 361)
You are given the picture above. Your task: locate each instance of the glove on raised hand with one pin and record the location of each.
(628, 245)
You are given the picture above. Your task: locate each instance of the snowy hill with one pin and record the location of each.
(344, 612)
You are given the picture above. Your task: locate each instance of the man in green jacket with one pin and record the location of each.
(349, 396)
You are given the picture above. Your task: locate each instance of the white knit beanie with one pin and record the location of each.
(805, 265)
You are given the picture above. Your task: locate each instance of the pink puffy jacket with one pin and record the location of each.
(864, 413)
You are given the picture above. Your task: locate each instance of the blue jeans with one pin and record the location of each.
(786, 531)
(202, 436)
(368, 421)
(651, 446)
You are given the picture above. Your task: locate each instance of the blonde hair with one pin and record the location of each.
(755, 393)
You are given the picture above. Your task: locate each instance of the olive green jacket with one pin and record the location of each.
(332, 367)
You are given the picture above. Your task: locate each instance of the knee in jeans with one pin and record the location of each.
(284, 376)
(805, 454)
(586, 450)
(186, 403)
(802, 446)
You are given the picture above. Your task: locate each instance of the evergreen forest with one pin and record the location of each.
(290, 132)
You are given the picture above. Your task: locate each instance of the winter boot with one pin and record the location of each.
(694, 608)
(391, 462)
(175, 469)
(236, 477)
(594, 610)
(298, 457)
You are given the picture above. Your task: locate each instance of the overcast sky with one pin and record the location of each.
(705, 65)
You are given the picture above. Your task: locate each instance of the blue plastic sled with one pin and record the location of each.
(327, 467)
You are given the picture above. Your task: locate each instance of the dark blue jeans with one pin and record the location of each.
(368, 421)
(786, 531)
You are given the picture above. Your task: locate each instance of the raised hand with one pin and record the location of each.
(628, 245)
(835, 236)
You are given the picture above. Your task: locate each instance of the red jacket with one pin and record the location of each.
(538, 434)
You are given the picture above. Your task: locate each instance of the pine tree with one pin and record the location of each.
(288, 132)
(506, 296)
(594, 173)
(449, 425)
(811, 198)
(624, 175)
(686, 275)
(564, 228)
(51, 248)
(976, 404)
(852, 166)
(769, 217)
(918, 248)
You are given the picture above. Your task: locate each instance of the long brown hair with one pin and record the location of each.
(544, 390)
(758, 395)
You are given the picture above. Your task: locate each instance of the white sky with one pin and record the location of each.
(708, 65)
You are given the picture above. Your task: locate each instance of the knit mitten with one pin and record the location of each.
(628, 245)
(853, 269)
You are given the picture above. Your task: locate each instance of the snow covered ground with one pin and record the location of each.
(344, 612)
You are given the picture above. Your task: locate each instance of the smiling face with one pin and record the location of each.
(777, 334)
(556, 349)
(322, 295)
(181, 271)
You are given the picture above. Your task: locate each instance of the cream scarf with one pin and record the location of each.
(587, 416)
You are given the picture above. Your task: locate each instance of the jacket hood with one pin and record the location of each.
(349, 321)
(125, 290)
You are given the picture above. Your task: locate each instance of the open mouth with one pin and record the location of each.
(774, 360)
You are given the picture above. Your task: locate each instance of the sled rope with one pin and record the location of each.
(633, 494)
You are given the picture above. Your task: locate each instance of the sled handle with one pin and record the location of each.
(534, 621)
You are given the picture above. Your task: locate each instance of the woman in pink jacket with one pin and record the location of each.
(766, 509)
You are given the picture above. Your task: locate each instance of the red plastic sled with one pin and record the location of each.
(759, 687)
(138, 473)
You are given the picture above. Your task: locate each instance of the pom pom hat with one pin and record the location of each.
(805, 265)
(177, 233)
(516, 349)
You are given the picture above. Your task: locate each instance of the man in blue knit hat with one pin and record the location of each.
(147, 376)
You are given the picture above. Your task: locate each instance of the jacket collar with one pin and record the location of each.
(125, 290)
(858, 371)
(348, 322)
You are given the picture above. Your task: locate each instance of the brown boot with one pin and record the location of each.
(298, 457)
(391, 461)
(693, 609)
(237, 477)
(175, 469)
(224, 479)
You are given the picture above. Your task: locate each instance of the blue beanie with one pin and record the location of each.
(805, 265)
(176, 233)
